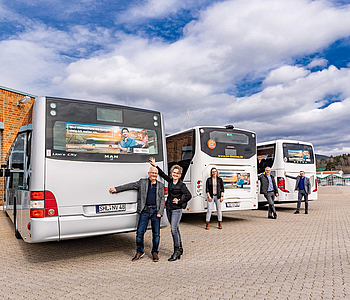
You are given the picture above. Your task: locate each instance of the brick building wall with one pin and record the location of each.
(12, 118)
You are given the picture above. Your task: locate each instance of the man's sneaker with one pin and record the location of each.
(296, 212)
(155, 257)
(306, 213)
(138, 256)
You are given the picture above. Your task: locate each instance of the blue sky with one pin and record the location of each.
(280, 68)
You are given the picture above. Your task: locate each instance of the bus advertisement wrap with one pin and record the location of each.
(235, 180)
(97, 138)
(298, 156)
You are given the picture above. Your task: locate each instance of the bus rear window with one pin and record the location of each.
(88, 132)
(298, 153)
(228, 143)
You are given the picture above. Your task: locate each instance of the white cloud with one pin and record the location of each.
(150, 9)
(317, 62)
(285, 74)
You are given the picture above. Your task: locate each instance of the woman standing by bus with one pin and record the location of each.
(178, 196)
(215, 191)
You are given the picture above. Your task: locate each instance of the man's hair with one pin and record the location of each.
(267, 168)
(211, 172)
(125, 129)
(151, 169)
(175, 167)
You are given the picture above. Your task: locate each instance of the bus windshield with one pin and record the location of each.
(298, 153)
(99, 132)
(228, 143)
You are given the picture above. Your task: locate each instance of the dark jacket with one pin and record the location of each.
(219, 185)
(264, 184)
(178, 191)
(307, 184)
(142, 188)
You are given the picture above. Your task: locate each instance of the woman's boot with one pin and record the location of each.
(176, 255)
(207, 225)
(220, 224)
(181, 249)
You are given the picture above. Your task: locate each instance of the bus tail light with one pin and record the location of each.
(281, 183)
(199, 187)
(43, 204)
(315, 190)
(166, 191)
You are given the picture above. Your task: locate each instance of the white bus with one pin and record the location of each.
(232, 151)
(287, 156)
(57, 183)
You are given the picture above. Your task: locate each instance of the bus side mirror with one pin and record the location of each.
(7, 172)
(1, 173)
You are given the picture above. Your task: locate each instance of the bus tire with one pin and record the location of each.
(17, 234)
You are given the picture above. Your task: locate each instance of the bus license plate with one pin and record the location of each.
(110, 208)
(233, 204)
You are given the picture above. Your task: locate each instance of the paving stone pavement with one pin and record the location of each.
(252, 257)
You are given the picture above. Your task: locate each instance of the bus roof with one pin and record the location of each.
(283, 141)
(206, 126)
(97, 103)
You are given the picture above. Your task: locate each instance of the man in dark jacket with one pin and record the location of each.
(269, 189)
(150, 206)
(303, 186)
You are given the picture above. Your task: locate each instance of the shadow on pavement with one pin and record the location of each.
(119, 244)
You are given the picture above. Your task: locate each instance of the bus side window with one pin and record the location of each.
(180, 150)
(18, 163)
(266, 157)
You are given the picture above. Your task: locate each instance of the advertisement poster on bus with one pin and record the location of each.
(235, 180)
(299, 156)
(97, 138)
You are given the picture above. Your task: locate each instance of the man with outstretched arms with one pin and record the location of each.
(150, 206)
(303, 186)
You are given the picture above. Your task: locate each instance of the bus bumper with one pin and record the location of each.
(71, 227)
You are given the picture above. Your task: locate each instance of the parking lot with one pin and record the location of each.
(253, 257)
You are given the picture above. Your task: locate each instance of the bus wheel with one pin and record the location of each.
(17, 234)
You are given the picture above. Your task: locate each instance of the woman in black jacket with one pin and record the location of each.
(215, 191)
(178, 196)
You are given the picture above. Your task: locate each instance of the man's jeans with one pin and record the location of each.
(270, 197)
(149, 213)
(301, 194)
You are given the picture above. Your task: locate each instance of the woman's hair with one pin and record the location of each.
(175, 167)
(211, 172)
